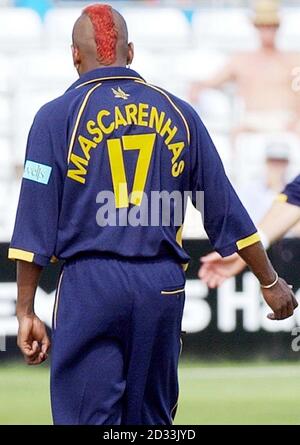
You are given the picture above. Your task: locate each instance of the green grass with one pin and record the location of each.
(252, 394)
(24, 395)
(226, 393)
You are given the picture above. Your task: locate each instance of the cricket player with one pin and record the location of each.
(120, 297)
(281, 217)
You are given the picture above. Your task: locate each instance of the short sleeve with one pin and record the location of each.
(226, 221)
(36, 225)
(291, 193)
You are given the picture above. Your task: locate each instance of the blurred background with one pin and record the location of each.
(238, 63)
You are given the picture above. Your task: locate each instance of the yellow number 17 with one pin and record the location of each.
(145, 144)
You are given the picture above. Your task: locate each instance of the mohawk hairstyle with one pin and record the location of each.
(106, 34)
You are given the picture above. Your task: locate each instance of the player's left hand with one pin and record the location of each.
(33, 340)
(281, 300)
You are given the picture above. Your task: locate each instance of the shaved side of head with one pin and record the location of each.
(122, 41)
(83, 36)
(100, 38)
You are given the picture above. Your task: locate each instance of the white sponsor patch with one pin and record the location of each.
(37, 172)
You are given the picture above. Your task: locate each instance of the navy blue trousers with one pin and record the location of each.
(116, 342)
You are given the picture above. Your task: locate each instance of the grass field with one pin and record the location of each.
(210, 394)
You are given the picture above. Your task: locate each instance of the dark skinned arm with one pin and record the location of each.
(33, 340)
(279, 297)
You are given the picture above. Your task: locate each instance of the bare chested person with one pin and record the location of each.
(263, 79)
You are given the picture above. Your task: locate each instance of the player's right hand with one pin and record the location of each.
(215, 269)
(33, 339)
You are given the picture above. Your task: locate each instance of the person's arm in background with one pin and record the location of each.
(282, 216)
(225, 75)
(227, 223)
(285, 216)
(33, 340)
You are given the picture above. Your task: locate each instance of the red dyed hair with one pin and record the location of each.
(106, 34)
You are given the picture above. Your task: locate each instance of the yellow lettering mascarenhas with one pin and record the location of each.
(80, 172)
(94, 131)
(119, 118)
(103, 128)
(86, 145)
(131, 114)
(167, 129)
(140, 114)
(176, 149)
(156, 119)
(177, 168)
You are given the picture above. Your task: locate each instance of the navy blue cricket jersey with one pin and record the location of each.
(113, 132)
(291, 193)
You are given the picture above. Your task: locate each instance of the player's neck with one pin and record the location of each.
(85, 68)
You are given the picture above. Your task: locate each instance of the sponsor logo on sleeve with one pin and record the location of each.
(37, 172)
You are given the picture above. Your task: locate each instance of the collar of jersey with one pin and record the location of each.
(109, 73)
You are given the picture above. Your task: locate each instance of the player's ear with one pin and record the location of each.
(130, 54)
(76, 58)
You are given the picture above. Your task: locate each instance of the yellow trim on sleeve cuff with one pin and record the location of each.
(246, 242)
(179, 236)
(185, 267)
(282, 197)
(17, 254)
